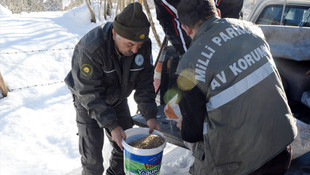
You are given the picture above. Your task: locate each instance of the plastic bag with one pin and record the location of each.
(301, 144)
(172, 109)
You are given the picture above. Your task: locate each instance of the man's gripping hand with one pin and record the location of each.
(117, 135)
(153, 124)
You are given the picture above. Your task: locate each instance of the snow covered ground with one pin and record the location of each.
(37, 119)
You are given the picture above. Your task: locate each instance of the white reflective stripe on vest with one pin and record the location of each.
(239, 88)
(136, 69)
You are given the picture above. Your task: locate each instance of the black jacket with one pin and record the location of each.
(167, 16)
(100, 80)
(230, 8)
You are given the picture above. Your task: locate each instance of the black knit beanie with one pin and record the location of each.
(132, 23)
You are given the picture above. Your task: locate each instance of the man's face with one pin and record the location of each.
(125, 46)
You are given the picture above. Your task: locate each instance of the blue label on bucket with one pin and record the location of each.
(153, 159)
(142, 165)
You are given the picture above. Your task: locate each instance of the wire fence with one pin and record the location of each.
(32, 51)
(32, 86)
(18, 6)
(4, 89)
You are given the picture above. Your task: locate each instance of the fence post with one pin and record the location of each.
(4, 89)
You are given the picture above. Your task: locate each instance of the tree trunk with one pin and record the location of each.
(146, 6)
(117, 7)
(123, 4)
(93, 18)
(109, 7)
(105, 9)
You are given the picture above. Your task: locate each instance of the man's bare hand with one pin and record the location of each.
(153, 124)
(117, 135)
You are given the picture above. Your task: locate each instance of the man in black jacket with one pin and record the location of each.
(108, 63)
(230, 8)
(167, 16)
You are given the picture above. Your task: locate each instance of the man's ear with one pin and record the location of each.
(187, 29)
(218, 12)
(113, 34)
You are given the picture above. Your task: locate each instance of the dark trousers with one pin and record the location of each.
(278, 165)
(91, 140)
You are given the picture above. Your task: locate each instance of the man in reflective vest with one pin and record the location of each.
(236, 118)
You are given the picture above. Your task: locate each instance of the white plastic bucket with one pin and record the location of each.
(141, 161)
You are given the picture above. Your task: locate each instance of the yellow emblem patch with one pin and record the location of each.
(86, 70)
(142, 36)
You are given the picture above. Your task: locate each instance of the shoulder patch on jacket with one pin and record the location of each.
(86, 70)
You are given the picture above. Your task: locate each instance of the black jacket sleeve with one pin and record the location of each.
(85, 80)
(90, 90)
(145, 91)
(193, 110)
(167, 16)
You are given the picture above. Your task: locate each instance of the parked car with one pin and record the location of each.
(281, 12)
(286, 25)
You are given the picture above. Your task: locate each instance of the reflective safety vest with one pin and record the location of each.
(248, 119)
